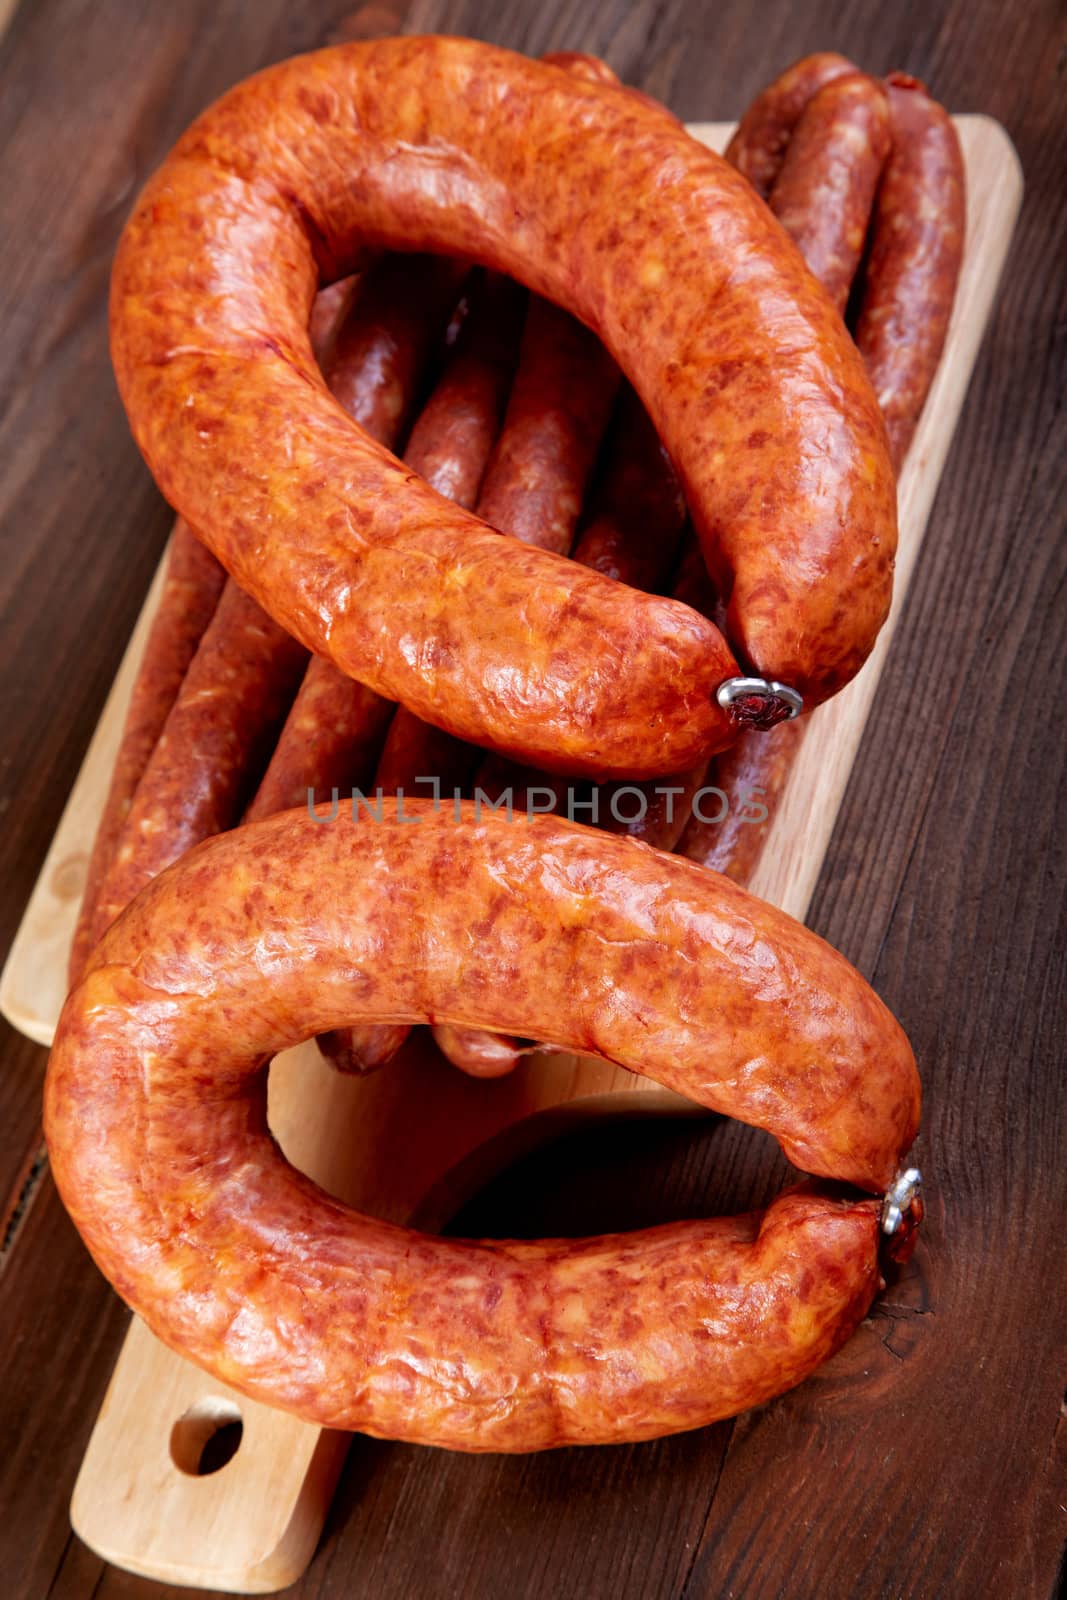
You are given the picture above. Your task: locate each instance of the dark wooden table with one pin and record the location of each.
(929, 1457)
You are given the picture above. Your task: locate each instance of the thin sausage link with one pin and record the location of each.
(761, 139)
(637, 509)
(728, 832)
(477, 1053)
(217, 737)
(564, 389)
(824, 193)
(453, 437)
(916, 250)
(191, 590)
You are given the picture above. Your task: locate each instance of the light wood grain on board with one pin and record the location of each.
(253, 1526)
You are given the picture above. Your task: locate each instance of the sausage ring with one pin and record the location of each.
(457, 147)
(156, 1125)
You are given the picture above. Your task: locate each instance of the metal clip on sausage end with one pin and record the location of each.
(759, 702)
(902, 1194)
(902, 1212)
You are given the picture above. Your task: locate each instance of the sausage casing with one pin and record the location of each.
(155, 1117)
(559, 407)
(825, 191)
(215, 743)
(641, 241)
(916, 250)
(455, 431)
(762, 137)
(374, 360)
(191, 591)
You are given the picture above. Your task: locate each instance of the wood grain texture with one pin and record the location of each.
(931, 1457)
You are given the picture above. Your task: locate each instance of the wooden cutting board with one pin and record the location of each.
(142, 1499)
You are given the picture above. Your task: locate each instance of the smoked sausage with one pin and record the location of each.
(534, 484)
(565, 387)
(383, 346)
(915, 256)
(724, 834)
(331, 739)
(190, 594)
(216, 740)
(226, 715)
(657, 811)
(637, 509)
(762, 137)
(375, 362)
(155, 1116)
(191, 591)
(557, 414)
(271, 190)
(450, 446)
(480, 1054)
(632, 533)
(454, 434)
(824, 194)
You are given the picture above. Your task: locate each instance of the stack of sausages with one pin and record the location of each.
(686, 455)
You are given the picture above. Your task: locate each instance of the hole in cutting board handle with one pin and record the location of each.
(206, 1437)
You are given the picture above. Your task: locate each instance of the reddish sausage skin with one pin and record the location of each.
(637, 511)
(906, 299)
(915, 256)
(606, 946)
(824, 196)
(216, 739)
(331, 306)
(632, 533)
(450, 446)
(363, 1047)
(383, 346)
(825, 191)
(740, 374)
(477, 1053)
(454, 434)
(532, 491)
(191, 592)
(581, 65)
(332, 739)
(227, 714)
(413, 750)
(754, 770)
(374, 361)
(564, 390)
(562, 398)
(657, 812)
(762, 137)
